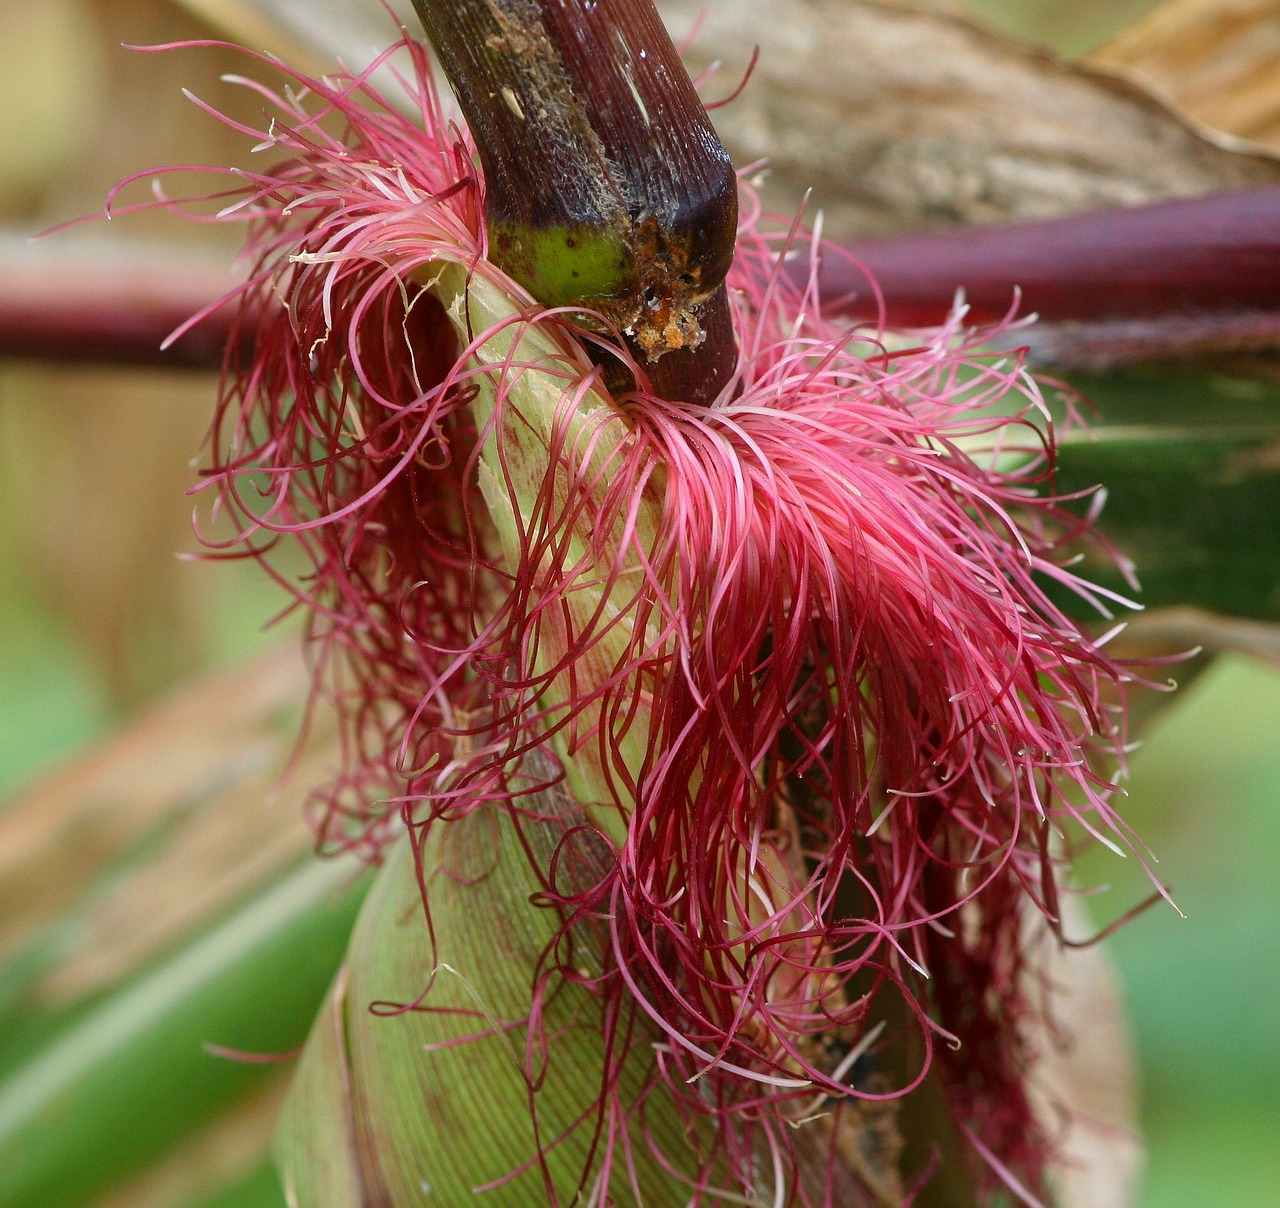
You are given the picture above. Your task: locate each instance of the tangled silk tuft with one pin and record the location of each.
(801, 656)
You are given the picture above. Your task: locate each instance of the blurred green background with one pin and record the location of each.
(98, 617)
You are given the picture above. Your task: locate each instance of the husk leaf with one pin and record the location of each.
(431, 1103)
(543, 411)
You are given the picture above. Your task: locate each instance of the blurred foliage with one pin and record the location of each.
(99, 612)
(1073, 26)
(1203, 991)
(96, 616)
(1193, 486)
(92, 1097)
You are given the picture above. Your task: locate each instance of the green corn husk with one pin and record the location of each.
(386, 1108)
(430, 1105)
(533, 417)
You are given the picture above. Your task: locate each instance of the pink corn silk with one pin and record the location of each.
(868, 722)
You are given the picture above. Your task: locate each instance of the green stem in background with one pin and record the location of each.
(606, 185)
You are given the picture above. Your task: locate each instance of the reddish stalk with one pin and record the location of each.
(1203, 254)
(605, 183)
(1173, 281)
(68, 305)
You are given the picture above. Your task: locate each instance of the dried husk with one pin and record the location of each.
(1215, 59)
(926, 118)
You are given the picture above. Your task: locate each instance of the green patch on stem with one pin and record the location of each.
(564, 265)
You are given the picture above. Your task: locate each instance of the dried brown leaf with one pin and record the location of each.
(1173, 630)
(101, 465)
(1085, 1082)
(899, 118)
(1219, 60)
(50, 72)
(100, 461)
(904, 118)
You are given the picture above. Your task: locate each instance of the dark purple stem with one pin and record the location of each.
(1219, 252)
(606, 186)
(66, 304)
(1186, 278)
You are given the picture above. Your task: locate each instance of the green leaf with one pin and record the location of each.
(1191, 466)
(132, 1075)
(258, 1189)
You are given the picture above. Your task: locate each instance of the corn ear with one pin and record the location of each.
(531, 404)
(432, 1104)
